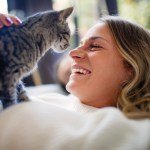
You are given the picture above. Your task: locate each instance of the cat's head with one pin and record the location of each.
(62, 30)
(54, 28)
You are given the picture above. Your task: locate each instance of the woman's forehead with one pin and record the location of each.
(93, 38)
(98, 31)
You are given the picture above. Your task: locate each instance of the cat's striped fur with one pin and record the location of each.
(22, 46)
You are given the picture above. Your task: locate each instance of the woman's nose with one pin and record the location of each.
(77, 53)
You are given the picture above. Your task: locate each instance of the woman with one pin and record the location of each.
(115, 57)
(110, 69)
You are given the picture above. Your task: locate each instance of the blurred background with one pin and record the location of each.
(85, 14)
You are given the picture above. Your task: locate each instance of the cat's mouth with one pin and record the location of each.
(60, 48)
(65, 46)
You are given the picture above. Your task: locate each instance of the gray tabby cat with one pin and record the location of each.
(22, 46)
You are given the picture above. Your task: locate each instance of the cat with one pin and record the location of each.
(22, 46)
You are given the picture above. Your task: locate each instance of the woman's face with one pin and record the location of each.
(97, 69)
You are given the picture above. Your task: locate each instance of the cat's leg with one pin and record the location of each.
(9, 96)
(1, 105)
(22, 94)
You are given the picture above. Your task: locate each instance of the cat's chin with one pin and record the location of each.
(60, 49)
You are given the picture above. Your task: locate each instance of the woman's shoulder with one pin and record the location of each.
(115, 121)
(114, 114)
(115, 127)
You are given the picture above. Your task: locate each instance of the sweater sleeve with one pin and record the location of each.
(38, 126)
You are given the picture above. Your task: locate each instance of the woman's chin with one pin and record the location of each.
(71, 87)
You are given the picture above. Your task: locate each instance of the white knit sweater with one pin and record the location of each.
(56, 122)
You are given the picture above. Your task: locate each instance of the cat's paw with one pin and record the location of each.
(23, 98)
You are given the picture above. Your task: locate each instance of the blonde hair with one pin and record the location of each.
(133, 43)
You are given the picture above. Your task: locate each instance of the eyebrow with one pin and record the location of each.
(93, 38)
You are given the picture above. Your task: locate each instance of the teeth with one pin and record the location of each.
(82, 71)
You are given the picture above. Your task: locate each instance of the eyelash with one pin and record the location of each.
(94, 46)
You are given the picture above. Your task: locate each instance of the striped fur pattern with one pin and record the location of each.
(22, 46)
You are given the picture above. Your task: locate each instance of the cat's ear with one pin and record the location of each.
(65, 13)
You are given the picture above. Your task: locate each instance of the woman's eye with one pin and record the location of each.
(95, 47)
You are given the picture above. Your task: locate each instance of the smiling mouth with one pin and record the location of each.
(81, 71)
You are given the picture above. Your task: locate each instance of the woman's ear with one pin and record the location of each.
(130, 73)
(129, 69)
